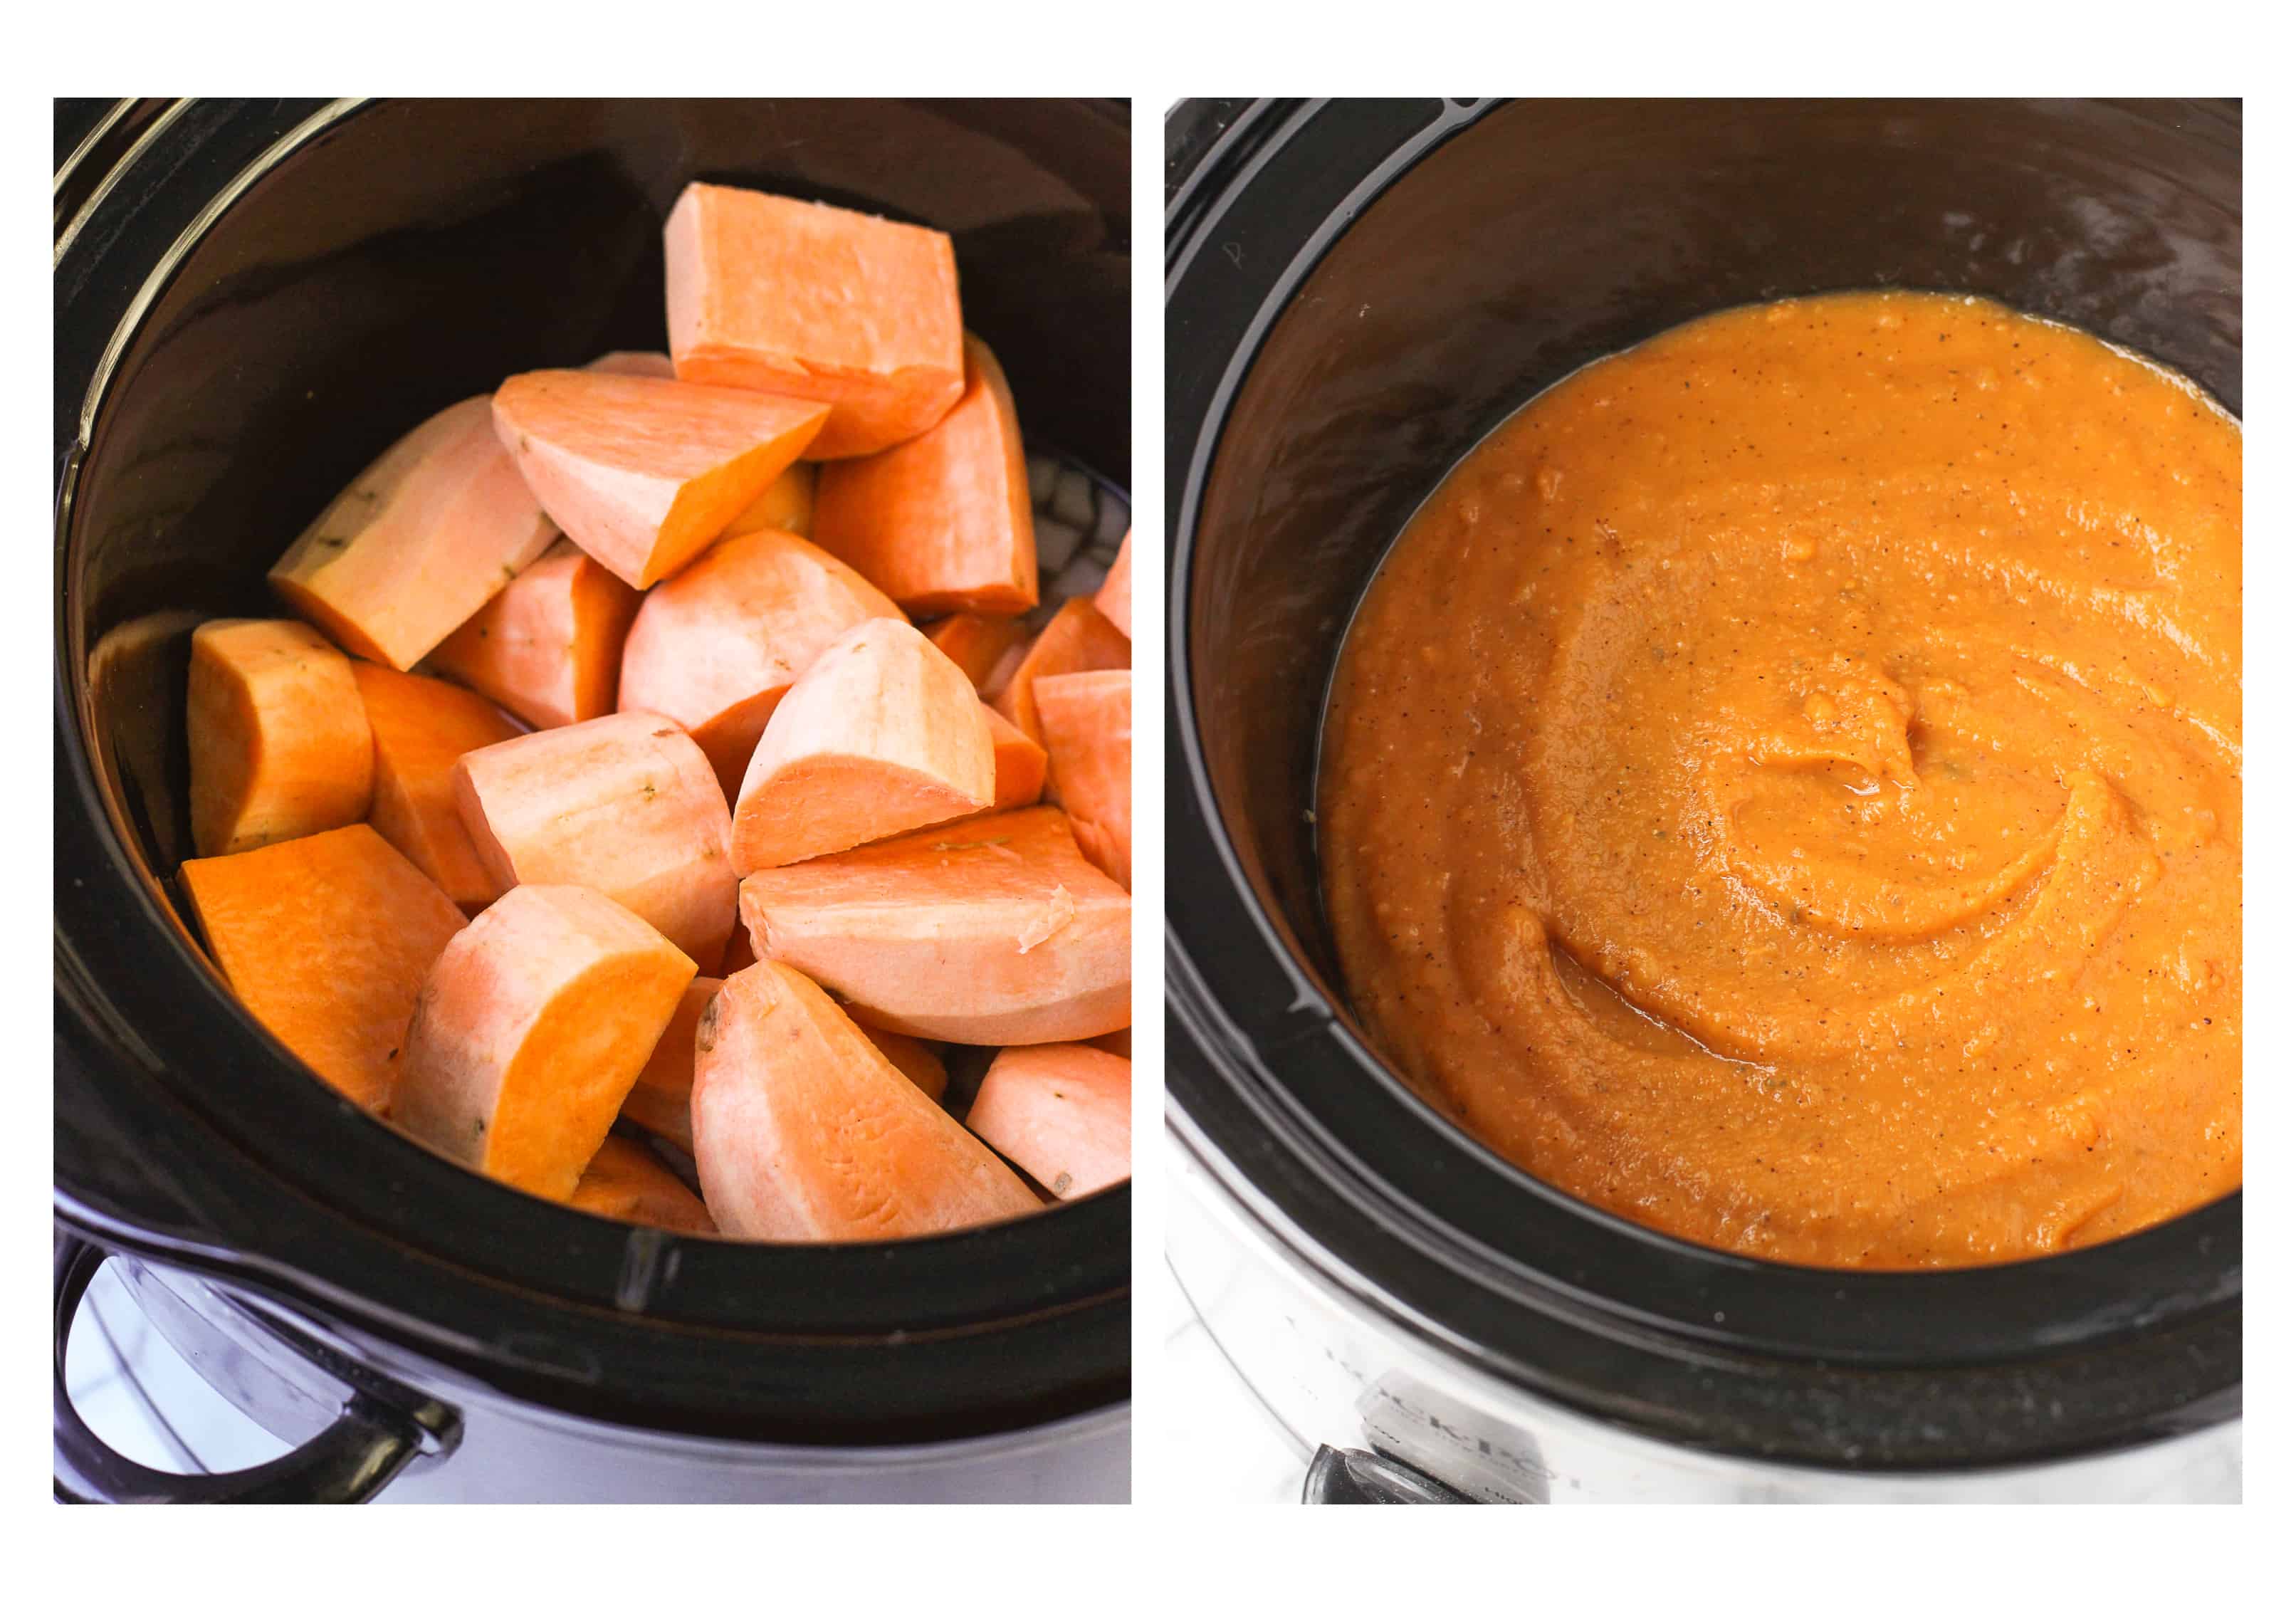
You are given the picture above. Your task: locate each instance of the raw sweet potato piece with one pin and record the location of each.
(882, 735)
(994, 930)
(1115, 597)
(1019, 763)
(278, 736)
(913, 1057)
(661, 1100)
(418, 542)
(1087, 722)
(1063, 1114)
(550, 646)
(802, 1131)
(422, 726)
(976, 643)
(626, 1181)
(644, 472)
(532, 1027)
(1116, 1040)
(327, 941)
(1077, 640)
(626, 805)
(636, 364)
(770, 293)
(739, 953)
(786, 504)
(716, 648)
(942, 522)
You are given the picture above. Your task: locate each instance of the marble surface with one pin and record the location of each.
(1213, 1441)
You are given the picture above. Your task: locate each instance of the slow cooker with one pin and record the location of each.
(252, 299)
(1356, 293)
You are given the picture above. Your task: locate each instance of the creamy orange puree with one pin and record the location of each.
(1785, 787)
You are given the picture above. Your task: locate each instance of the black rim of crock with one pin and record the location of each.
(2125, 1342)
(274, 1181)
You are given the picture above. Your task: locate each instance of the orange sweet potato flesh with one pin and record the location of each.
(803, 1131)
(1116, 1040)
(1115, 597)
(993, 931)
(913, 1057)
(626, 1182)
(942, 522)
(785, 504)
(1087, 723)
(1019, 763)
(1063, 1114)
(626, 805)
(882, 735)
(278, 736)
(531, 1030)
(418, 542)
(661, 1100)
(716, 648)
(327, 941)
(644, 473)
(976, 643)
(1076, 640)
(549, 646)
(422, 727)
(770, 293)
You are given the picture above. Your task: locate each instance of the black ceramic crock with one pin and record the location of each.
(252, 299)
(1356, 293)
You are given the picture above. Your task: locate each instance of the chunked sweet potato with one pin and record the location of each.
(327, 941)
(279, 739)
(530, 1029)
(550, 646)
(882, 735)
(1116, 1040)
(644, 472)
(418, 542)
(626, 805)
(994, 930)
(786, 504)
(716, 648)
(976, 642)
(1115, 597)
(626, 1182)
(1077, 640)
(636, 364)
(422, 727)
(1019, 763)
(803, 1131)
(1087, 723)
(942, 522)
(661, 1100)
(765, 292)
(913, 1057)
(1063, 1114)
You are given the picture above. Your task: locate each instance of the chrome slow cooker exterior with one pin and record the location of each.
(252, 298)
(1356, 293)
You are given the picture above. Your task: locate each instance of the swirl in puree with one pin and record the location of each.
(1785, 787)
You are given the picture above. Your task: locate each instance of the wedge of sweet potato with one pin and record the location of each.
(628, 1183)
(549, 646)
(530, 1029)
(882, 735)
(765, 292)
(1077, 640)
(422, 727)
(1063, 1114)
(418, 542)
(977, 642)
(1087, 723)
(279, 739)
(1019, 763)
(662, 1101)
(644, 473)
(327, 941)
(803, 1131)
(1115, 597)
(941, 522)
(626, 805)
(992, 931)
(786, 504)
(716, 648)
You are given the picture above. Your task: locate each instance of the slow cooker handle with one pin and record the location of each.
(351, 1460)
(1353, 1476)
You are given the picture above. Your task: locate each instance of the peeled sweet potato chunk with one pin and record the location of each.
(992, 931)
(531, 1030)
(1087, 723)
(327, 941)
(626, 1182)
(976, 642)
(1019, 763)
(1115, 597)
(549, 646)
(422, 727)
(1077, 640)
(803, 1131)
(279, 739)
(1063, 1114)
(662, 1101)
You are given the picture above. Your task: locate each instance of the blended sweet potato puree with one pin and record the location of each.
(1785, 787)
